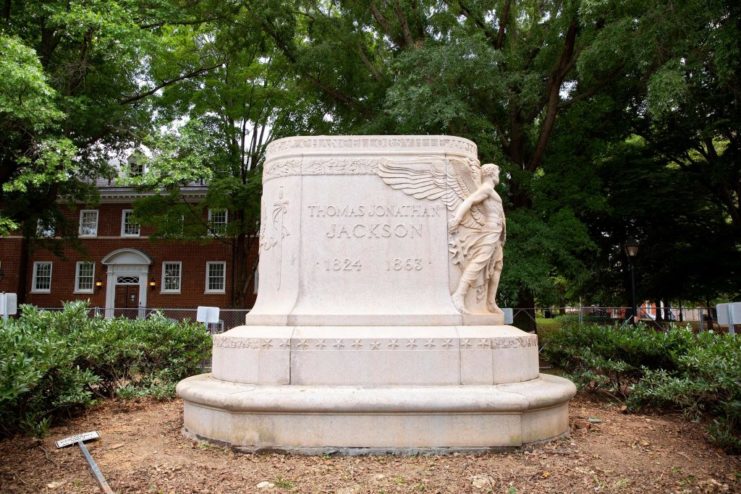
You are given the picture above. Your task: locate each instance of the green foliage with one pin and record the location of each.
(32, 150)
(53, 364)
(675, 370)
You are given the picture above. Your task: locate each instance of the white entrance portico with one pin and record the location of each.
(127, 269)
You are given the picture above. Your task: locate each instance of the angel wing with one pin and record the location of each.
(431, 179)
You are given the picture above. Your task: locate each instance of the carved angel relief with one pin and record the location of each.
(477, 228)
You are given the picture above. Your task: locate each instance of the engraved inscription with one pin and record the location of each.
(374, 230)
(345, 264)
(408, 264)
(375, 210)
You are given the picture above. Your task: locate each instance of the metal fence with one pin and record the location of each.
(700, 318)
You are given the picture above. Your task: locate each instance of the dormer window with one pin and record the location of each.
(135, 164)
(136, 169)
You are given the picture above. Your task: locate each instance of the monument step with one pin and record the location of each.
(373, 355)
(313, 419)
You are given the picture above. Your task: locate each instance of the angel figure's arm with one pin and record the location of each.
(480, 195)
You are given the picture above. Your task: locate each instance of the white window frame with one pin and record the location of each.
(211, 230)
(208, 273)
(79, 228)
(35, 278)
(78, 265)
(163, 288)
(123, 225)
(135, 169)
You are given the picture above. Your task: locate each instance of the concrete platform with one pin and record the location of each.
(375, 355)
(352, 419)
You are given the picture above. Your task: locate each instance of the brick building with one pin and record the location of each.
(118, 266)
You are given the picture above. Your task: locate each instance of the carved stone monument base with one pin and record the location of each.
(375, 327)
(319, 419)
(312, 389)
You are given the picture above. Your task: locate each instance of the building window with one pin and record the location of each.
(88, 223)
(215, 277)
(45, 229)
(128, 227)
(217, 221)
(41, 277)
(136, 169)
(84, 275)
(171, 276)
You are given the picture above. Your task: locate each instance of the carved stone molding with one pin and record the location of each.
(327, 166)
(366, 344)
(376, 144)
(251, 343)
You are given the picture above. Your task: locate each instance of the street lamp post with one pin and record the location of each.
(631, 250)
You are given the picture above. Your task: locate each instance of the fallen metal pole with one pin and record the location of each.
(80, 439)
(94, 467)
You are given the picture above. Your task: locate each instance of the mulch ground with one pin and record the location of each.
(142, 450)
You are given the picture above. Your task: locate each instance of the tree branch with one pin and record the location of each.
(591, 91)
(369, 65)
(565, 64)
(169, 82)
(408, 39)
(192, 22)
(488, 31)
(288, 51)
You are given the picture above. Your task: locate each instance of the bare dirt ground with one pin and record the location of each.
(142, 450)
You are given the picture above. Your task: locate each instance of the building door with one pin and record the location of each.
(126, 286)
(126, 302)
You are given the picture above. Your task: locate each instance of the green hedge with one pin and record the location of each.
(55, 363)
(698, 374)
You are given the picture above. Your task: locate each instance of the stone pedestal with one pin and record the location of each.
(354, 342)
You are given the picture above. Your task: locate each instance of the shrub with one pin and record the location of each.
(675, 370)
(53, 364)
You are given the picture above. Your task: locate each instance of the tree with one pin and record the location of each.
(34, 154)
(505, 74)
(75, 91)
(216, 130)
